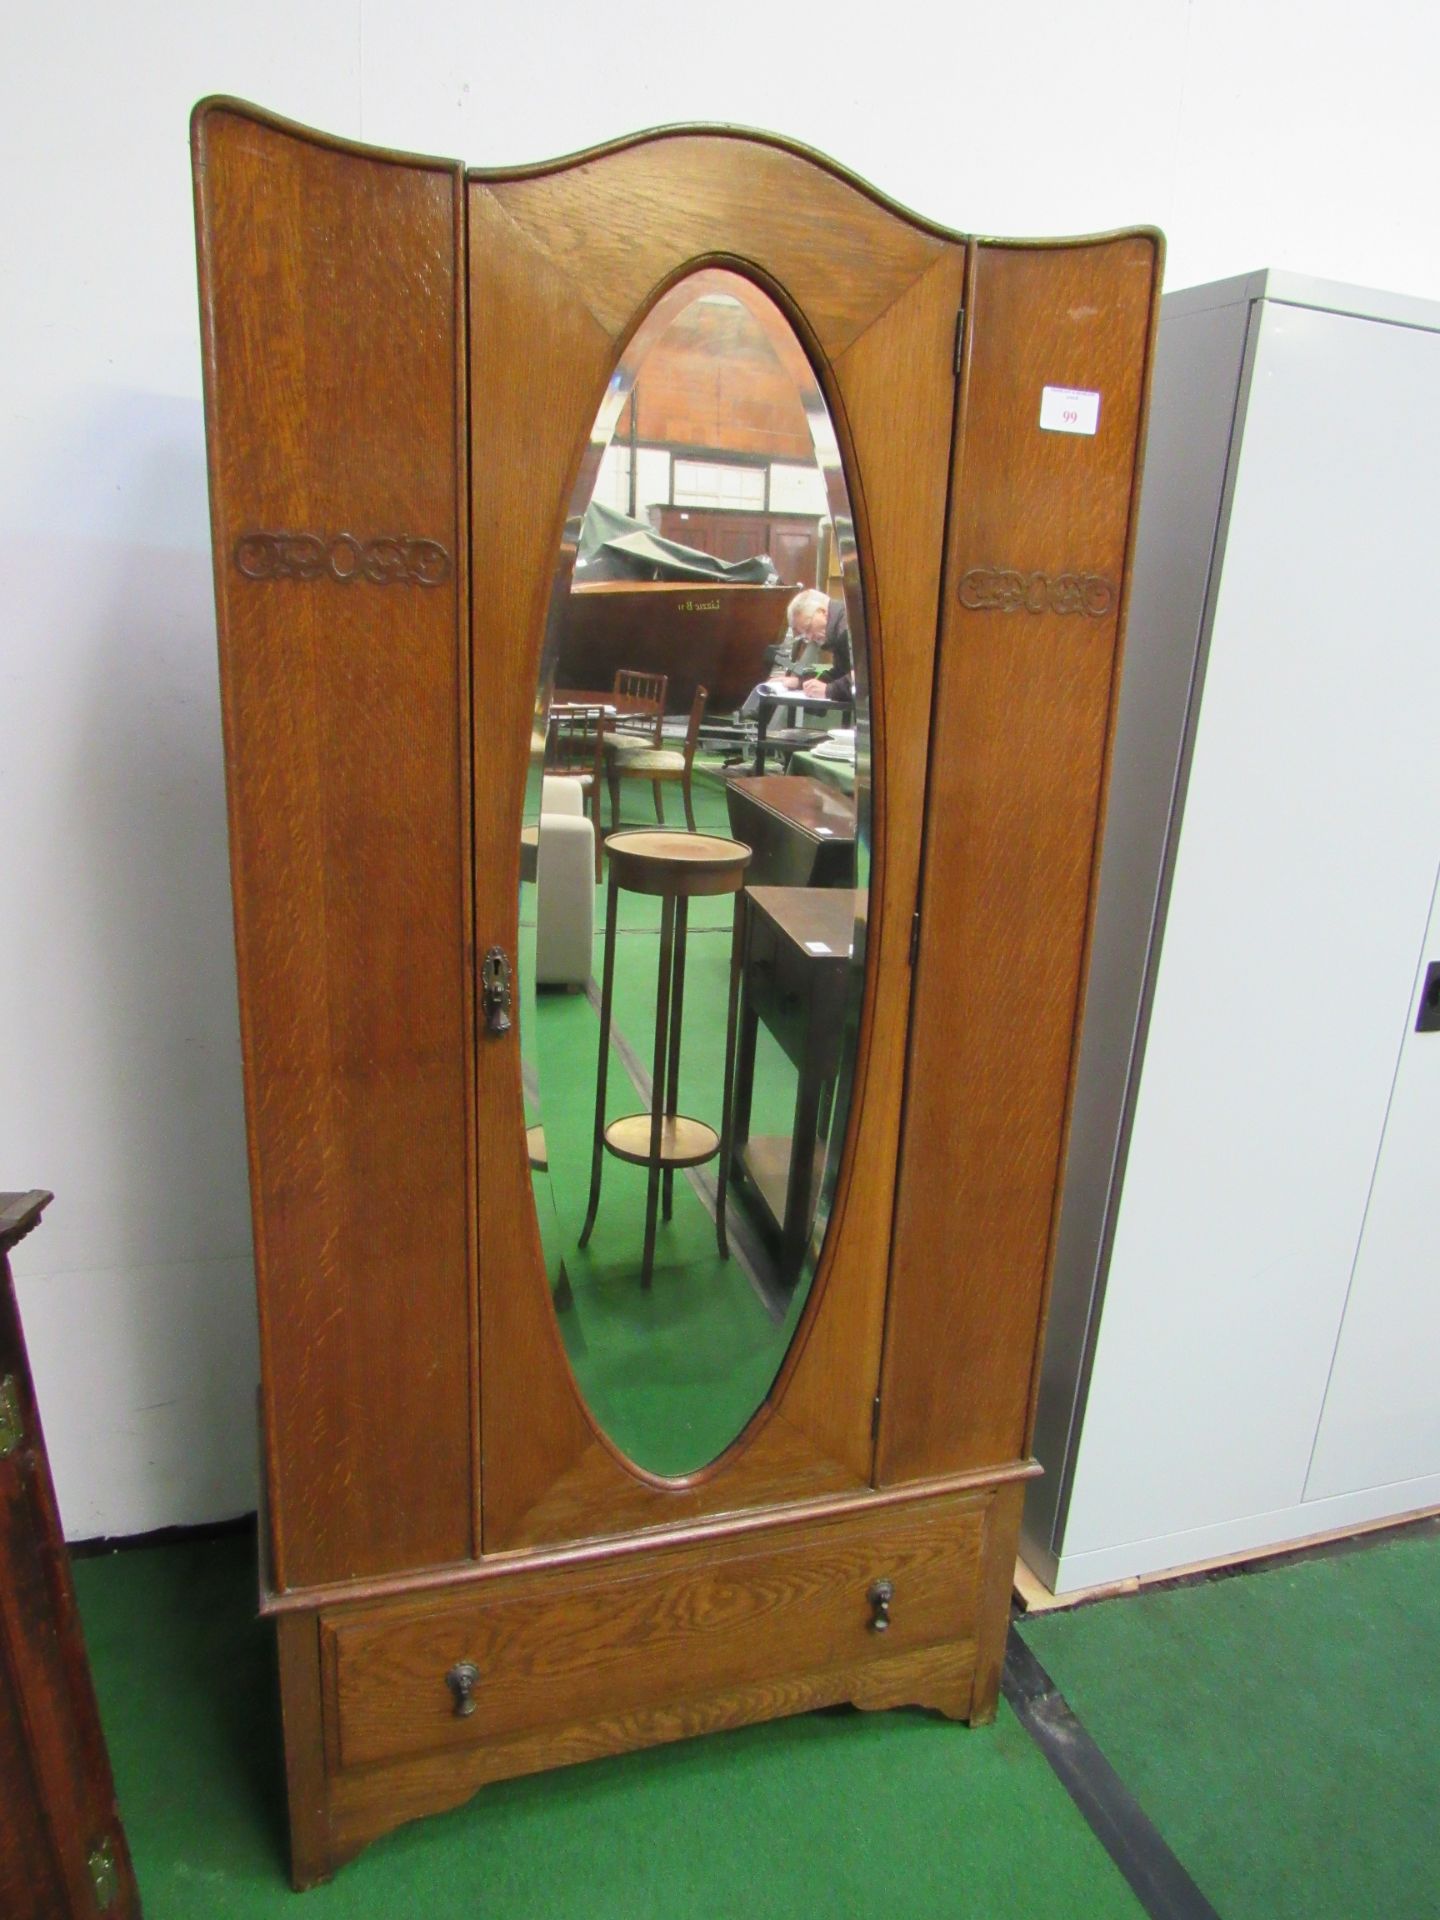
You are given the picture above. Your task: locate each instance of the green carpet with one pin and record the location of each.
(1278, 1727)
(673, 1373)
(834, 1814)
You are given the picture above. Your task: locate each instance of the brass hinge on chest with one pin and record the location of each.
(12, 1426)
(104, 1875)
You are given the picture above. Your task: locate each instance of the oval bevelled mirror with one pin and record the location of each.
(694, 875)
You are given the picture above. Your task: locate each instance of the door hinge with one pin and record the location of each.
(915, 937)
(959, 339)
(104, 1875)
(12, 1426)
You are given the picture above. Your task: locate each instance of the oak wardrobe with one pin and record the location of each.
(530, 1498)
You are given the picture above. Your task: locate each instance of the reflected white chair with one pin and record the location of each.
(564, 885)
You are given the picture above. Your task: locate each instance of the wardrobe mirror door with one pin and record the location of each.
(694, 874)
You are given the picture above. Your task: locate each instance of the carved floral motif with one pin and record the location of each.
(385, 561)
(1007, 590)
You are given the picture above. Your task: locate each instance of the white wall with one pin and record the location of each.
(1292, 136)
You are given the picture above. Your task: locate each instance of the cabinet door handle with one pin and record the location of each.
(882, 1592)
(461, 1680)
(1428, 1018)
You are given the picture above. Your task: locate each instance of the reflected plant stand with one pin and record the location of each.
(676, 867)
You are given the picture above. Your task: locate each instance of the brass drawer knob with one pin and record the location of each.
(882, 1592)
(461, 1681)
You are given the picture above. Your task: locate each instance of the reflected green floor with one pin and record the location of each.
(835, 1814)
(674, 1372)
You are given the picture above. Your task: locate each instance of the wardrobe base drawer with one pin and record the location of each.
(644, 1632)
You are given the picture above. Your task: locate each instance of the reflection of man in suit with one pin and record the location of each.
(815, 624)
(833, 636)
(787, 660)
(790, 659)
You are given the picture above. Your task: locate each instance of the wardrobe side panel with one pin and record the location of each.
(329, 286)
(1029, 635)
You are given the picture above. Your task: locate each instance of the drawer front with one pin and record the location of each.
(571, 1644)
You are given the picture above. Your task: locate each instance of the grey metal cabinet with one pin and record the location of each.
(1245, 1309)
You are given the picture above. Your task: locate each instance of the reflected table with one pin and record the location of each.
(802, 832)
(793, 956)
(768, 704)
(623, 706)
(833, 770)
(678, 867)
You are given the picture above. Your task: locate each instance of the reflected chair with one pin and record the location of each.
(659, 764)
(575, 749)
(632, 731)
(637, 725)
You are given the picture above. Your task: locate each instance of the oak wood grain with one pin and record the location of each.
(374, 1801)
(398, 352)
(307, 1757)
(899, 370)
(619, 1646)
(329, 288)
(1020, 738)
(992, 1611)
(619, 224)
(551, 1649)
(751, 1524)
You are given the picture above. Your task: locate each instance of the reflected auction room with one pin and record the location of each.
(723, 965)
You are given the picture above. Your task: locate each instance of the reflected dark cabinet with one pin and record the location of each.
(472, 1575)
(63, 1850)
(792, 954)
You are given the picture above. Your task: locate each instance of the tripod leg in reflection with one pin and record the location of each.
(800, 1188)
(607, 996)
(564, 1293)
(727, 1117)
(672, 1065)
(657, 1082)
